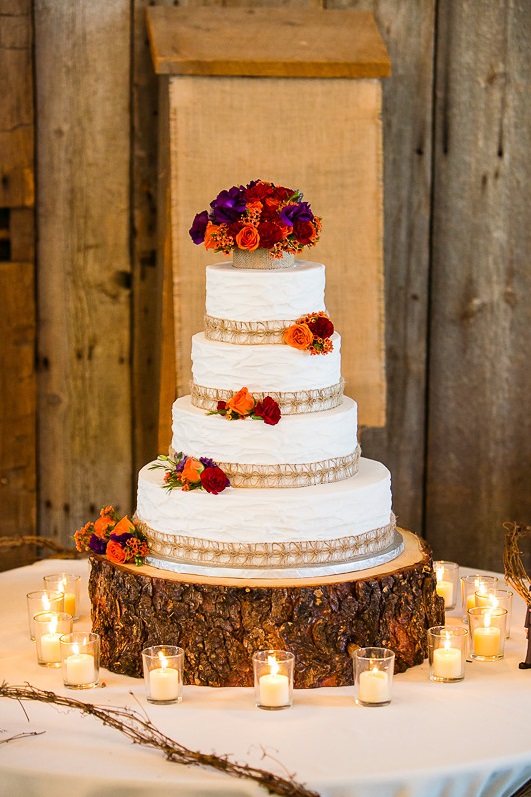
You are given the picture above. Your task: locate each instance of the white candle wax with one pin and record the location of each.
(447, 663)
(374, 686)
(164, 684)
(274, 690)
(70, 603)
(446, 590)
(51, 648)
(487, 641)
(80, 669)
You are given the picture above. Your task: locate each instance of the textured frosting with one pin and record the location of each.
(254, 295)
(269, 367)
(320, 512)
(295, 439)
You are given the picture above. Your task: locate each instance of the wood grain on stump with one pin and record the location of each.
(221, 622)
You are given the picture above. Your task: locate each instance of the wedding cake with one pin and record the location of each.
(264, 478)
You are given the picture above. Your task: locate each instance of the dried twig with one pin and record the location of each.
(10, 543)
(140, 730)
(21, 736)
(515, 572)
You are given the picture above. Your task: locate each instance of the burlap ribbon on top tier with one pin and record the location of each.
(282, 475)
(290, 403)
(302, 553)
(248, 333)
(260, 259)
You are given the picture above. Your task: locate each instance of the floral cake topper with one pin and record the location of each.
(243, 405)
(311, 333)
(260, 215)
(188, 473)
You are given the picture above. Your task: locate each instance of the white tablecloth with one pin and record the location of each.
(469, 739)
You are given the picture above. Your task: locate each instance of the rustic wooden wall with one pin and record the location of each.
(456, 133)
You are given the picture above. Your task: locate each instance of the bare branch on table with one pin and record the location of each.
(10, 543)
(140, 730)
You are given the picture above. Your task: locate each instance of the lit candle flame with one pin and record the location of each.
(493, 600)
(62, 585)
(486, 620)
(273, 665)
(163, 660)
(439, 572)
(52, 628)
(75, 649)
(46, 603)
(447, 640)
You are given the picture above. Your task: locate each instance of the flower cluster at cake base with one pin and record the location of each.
(187, 473)
(119, 539)
(260, 215)
(311, 333)
(243, 405)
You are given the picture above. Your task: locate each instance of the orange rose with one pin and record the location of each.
(209, 241)
(115, 552)
(242, 402)
(299, 336)
(191, 471)
(123, 526)
(248, 238)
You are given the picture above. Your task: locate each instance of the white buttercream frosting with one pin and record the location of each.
(231, 366)
(321, 512)
(295, 439)
(254, 295)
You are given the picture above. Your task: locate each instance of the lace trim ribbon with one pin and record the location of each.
(245, 332)
(300, 553)
(290, 403)
(290, 475)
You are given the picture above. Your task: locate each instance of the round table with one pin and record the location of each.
(469, 739)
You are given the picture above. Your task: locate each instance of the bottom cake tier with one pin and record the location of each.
(221, 622)
(319, 530)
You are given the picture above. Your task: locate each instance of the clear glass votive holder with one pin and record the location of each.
(163, 673)
(43, 600)
(502, 598)
(49, 628)
(373, 676)
(447, 649)
(68, 583)
(472, 584)
(273, 679)
(80, 656)
(487, 633)
(447, 574)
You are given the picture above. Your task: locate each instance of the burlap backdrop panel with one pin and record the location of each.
(322, 136)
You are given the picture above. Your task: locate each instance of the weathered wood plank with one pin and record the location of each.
(146, 270)
(83, 91)
(408, 32)
(18, 499)
(479, 456)
(17, 407)
(273, 42)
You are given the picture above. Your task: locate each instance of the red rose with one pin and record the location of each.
(283, 194)
(321, 327)
(234, 228)
(214, 480)
(304, 232)
(222, 405)
(258, 191)
(270, 233)
(269, 212)
(268, 410)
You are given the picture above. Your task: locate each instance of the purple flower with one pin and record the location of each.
(199, 225)
(208, 463)
(228, 205)
(122, 538)
(293, 213)
(97, 544)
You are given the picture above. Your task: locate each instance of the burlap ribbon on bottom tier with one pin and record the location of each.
(300, 553)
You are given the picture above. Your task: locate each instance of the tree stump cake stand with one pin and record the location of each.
(221, 622)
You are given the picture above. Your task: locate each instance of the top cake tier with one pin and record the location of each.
(254, 295)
